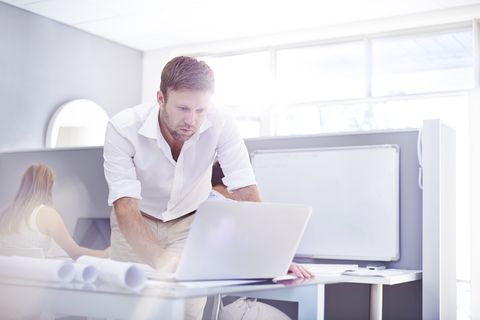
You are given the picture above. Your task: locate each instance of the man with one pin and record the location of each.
(158, 159)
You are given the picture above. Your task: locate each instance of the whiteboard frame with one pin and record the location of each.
(397, 197)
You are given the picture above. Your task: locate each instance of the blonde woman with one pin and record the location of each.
(29, 221)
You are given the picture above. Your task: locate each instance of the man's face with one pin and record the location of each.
(184, 111)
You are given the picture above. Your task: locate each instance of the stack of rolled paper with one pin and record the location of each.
(124, 274)
(86, 269)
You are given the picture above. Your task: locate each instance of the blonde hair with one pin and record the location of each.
(35, 189)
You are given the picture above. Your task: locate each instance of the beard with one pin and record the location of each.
(176, 134)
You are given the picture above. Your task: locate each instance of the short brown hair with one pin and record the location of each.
(186, 73)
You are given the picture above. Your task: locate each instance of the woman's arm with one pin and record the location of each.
(50, 223)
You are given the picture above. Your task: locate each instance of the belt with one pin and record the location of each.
(146, 215)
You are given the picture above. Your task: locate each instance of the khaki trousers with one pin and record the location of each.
(171, 235)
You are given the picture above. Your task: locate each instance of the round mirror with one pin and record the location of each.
(77, 123)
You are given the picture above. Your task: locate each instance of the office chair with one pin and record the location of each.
(92, 233)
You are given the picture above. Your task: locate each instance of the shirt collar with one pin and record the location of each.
(206, 122)
(151, 127)
(205, 125)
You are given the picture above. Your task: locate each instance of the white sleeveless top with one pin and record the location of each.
(27, 238)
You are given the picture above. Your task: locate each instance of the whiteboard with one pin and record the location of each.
(354, 193)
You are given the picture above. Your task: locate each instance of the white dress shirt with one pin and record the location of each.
(139, 163)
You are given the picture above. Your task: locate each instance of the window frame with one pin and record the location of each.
(265, 119)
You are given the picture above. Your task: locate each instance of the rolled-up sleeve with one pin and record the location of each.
(119, 167)
(233, 157)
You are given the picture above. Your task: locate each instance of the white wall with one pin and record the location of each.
(153, 63)
(45, 63)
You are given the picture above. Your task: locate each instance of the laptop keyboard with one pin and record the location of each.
(328, 268)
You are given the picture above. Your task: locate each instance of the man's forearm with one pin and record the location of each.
(249, 193)
(138, 233)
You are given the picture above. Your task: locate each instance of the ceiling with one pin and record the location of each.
(158, 24)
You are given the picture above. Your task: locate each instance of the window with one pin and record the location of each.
(293, 121)
(249, 128)
(321, 73)
(363, 116)
(243, 82)
(424, 63)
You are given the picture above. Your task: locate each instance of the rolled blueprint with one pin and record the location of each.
(37, 269)
(85, 273)
(124, 274)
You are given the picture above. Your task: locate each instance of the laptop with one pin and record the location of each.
(240, 240)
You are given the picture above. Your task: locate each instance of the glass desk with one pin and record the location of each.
(157, 300)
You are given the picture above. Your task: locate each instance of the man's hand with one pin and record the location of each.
(300, 271)
(168, 263)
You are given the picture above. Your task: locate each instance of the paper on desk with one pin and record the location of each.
(363, 272)
(124, 274)
(37, 269)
